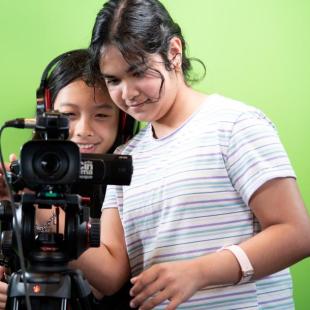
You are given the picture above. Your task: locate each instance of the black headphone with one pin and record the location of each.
(127, 128)
(44, 103)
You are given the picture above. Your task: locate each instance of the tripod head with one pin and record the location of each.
(44, 249)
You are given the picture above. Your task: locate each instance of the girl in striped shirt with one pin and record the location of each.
(213, 215)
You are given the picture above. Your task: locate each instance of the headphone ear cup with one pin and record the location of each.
(47, 100)
(43, 93)
(123, 120)
(127, 126)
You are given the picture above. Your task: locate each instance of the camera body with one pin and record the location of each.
(51, 161)
(59, 164)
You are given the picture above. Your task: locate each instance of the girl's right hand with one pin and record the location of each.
(3, 290)
(3, 189)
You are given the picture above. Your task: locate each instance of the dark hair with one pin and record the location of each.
(73, 66)
(137, 28)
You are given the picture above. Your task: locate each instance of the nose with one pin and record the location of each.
(129, 91)
(83, 128)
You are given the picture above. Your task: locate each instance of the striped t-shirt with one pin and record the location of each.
(189, 196)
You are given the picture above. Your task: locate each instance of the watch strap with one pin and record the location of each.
(247, 269)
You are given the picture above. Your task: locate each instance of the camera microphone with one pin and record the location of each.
(21, 123)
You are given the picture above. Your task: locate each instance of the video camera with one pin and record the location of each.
(53, 162)
(51, 167)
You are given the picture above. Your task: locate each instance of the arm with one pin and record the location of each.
(107, 267)
(3, 196)
(283, 241)
(285, 235)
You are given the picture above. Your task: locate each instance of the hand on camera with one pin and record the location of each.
(174, 282)
(3, 290)
(3, 189)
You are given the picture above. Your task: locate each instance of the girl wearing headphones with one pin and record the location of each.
(96, 126)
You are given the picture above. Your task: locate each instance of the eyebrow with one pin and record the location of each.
(104, 105)
(130, 69)
(134, 68)
(107, 76)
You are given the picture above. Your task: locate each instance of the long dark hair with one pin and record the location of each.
(137, 28)
(73, 66)
(70, 67)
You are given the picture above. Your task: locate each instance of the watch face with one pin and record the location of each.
(248, 273)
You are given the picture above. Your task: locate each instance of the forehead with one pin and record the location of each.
(78, 94)
(113, 63)
(112, 60)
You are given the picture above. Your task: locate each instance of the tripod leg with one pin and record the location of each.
(81, 291)
(64, 304)
(12, 303)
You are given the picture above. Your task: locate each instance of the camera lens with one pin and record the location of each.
(50, 163)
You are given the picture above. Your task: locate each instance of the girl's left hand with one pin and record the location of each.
(173, 281)
(3, 289)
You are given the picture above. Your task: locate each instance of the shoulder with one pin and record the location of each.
(225, 107)
(229, 113)
(137, 141)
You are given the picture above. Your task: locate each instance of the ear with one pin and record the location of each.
(175, 52)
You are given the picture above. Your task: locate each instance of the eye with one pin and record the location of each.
(70, 115)
(138, 73)
(112, 81)
(101, 115)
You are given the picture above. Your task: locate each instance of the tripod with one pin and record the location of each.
(49, 282)
(62, 289)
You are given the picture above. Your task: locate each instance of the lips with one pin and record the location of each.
(87, 148)
(133, 104)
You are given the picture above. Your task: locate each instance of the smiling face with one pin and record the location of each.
(147, 95)
(93, 116)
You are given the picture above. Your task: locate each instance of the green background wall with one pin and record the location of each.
(257, 51)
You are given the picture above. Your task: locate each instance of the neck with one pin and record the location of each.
(185, 104)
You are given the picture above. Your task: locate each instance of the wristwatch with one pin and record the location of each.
(247, 270)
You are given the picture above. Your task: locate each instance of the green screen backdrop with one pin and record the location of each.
(257, 51)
